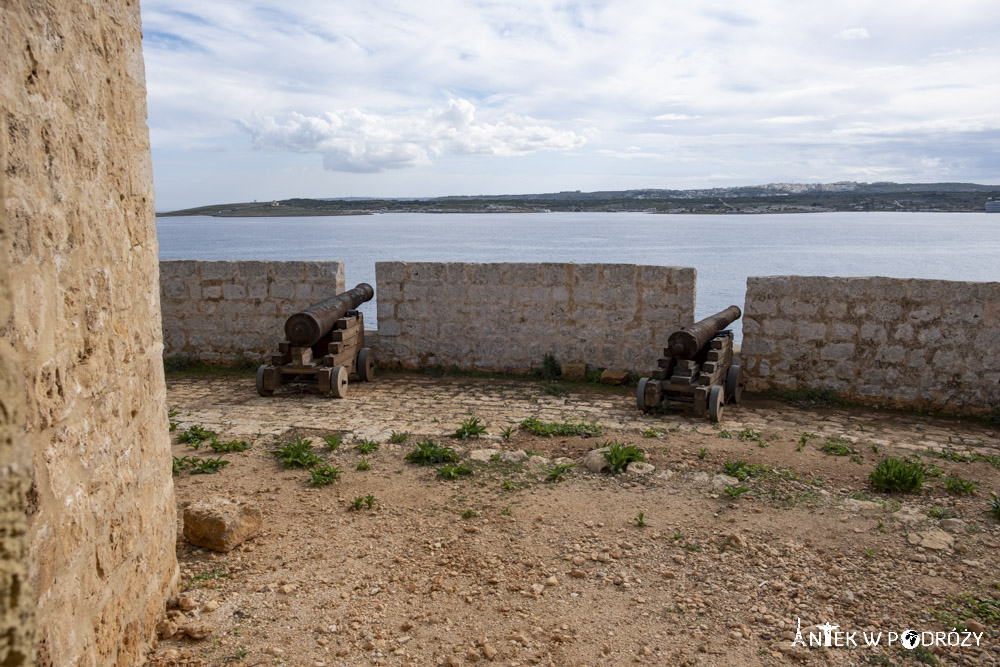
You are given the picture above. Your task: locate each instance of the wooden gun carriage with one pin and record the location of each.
(326, 344)
(697, 368)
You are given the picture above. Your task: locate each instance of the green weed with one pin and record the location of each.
(550, 367)
(895, 474)
(557, 473)
(640, 520)
(702, 453)
(470, 514)
(366, 446)
(994, 505)
(470, 428)
(507, 432)
(332, 442)
(453, 471)
(836, 448)
(741, 470)
(725, 434)
(654, 433)
(563, 429)
(227, 446)
(748, 434)
(430, 453)
(296, 453)
(324, 474)
(207, 466)
(735, 491)
(364, 465)
(195, 435)
(399, 437)
(959, 486)
(620, 455)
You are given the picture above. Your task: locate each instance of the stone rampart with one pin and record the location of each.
(906, 343)
(80, 251)
(217, 311)
(505, 317)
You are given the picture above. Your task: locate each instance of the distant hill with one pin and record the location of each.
(770, 198)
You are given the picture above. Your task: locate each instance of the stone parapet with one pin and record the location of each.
(506, 316)
(215, 311)
(900, 342)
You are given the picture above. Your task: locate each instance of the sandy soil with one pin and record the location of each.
(503, 566)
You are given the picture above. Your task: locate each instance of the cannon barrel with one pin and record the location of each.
(308, 326)
(684, 344)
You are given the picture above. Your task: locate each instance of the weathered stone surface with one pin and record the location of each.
(594, 461)
(242, 304)
(936, 540)
(574, 372)
(506, 317)
(81, 255)
(886, 341)
(220, 524)
(640, 468)
(614, 377)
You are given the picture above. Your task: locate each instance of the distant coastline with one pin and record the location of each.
(750, 200)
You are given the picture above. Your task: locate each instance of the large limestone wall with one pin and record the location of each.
(216, 311)
(17, 617)
(82, 262)
(507, 316)
(908, 343)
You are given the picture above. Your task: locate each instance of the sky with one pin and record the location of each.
(380, 98)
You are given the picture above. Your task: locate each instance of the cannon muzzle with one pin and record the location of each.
(684, 344)
(304, 328)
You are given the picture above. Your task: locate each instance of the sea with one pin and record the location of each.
(724, 249)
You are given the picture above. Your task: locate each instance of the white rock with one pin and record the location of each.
(639, 468)
(594, 461)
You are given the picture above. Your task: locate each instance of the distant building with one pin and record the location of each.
(993, 206)
(275, 203)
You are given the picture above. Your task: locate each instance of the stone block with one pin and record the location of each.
(220, 524)
(574, 372)
(613, 376)
(288, 272)
(390, 272)
(233, 291)
(282, 291)
(220, 271)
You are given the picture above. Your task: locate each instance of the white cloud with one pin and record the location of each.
(853, 34)
(355, 141)
(675, 116)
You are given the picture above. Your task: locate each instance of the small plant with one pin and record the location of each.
(692, 546)
(735, 491)
(550, 367)
(749, 434)
(939, 513)
(741, 470)
(470, 514)
(557, 473)
(725, 434)
(324, 474)
(181, 464)
(804, 438)
(195, 435)
(430, 453)
(654, 433)
(620, 455)
(366, 446)
(959, 486)
(227, 446)
(677, 536)
(370, 501)
(358, 503)
(555, 389)
(207, 466)
(868, 553)
(240, 653)
(702, 453)
(640, 520)
(507, 432)
(563, 429)
(836, 448)
(895, 474)
(173, 426)
(471, 428)
(507, 485)
(399, 437)
(364, 465)
(994, 504)
(453, 471)
(297, 453)
(332, 442)
(880, 526)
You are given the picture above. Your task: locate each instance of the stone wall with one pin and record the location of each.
(17, 616)
(505, 317)
(81, 254)
(216, 311)
(907, 343)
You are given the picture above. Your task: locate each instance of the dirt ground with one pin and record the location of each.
(506, 567)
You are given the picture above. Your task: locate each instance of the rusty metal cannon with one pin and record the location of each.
(325, 343)
(697, 367)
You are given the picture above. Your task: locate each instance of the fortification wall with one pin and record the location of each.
(216, 311)
(81, 252)
(907, 343)
(505, 317)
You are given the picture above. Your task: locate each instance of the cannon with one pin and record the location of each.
(326, 344)
(697, 368)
